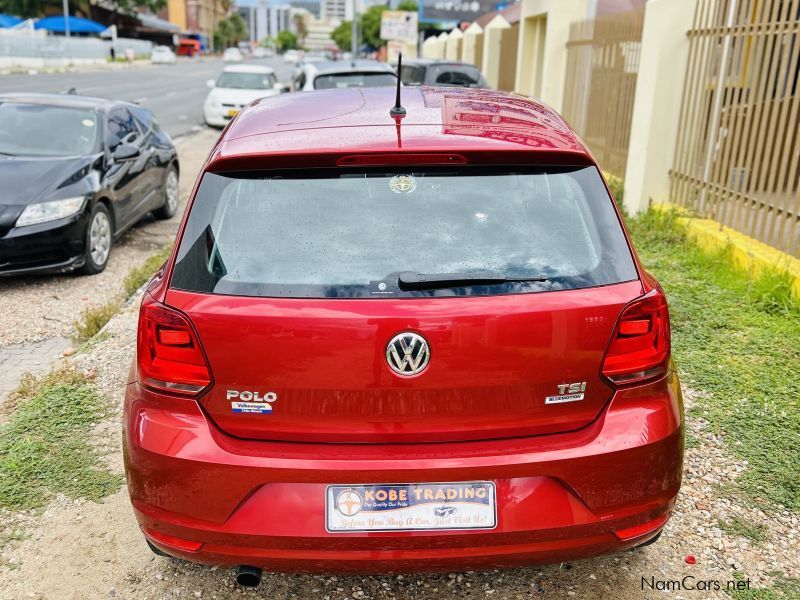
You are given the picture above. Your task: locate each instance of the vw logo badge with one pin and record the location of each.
(408, 354)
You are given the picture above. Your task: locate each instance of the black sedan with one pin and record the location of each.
(75, 173)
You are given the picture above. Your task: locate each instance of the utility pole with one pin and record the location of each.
(353, 31)
(66, 17)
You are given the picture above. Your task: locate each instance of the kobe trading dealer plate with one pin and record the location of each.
(408, 507)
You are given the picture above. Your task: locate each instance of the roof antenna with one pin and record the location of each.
(398, 112)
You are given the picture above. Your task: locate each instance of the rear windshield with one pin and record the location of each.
(350, 80)
(335, 234)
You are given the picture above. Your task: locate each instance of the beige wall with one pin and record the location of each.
(452, 49)
(472, 46)
(542, 52)
(656, 110)
(492, 49)
(509, 43)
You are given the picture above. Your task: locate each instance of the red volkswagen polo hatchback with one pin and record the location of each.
(398, 344)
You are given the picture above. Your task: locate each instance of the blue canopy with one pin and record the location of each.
(76, 25)
(9, 20)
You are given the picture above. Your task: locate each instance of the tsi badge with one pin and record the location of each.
(245, 401)
(567, 392)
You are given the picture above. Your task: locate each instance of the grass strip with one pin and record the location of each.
(739, 340)
(94, 318)
(45, 446)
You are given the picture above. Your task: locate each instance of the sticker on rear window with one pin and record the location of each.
(403, 184)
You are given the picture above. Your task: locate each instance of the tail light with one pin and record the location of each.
(169, 355)
(640, 347)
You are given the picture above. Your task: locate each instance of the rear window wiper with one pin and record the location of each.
(408, 280)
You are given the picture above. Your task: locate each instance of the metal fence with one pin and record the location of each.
(738, 146)
(602, 66)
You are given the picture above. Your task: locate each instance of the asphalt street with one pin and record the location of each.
(175, 93)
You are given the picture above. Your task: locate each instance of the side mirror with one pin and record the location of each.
(210, 83)
(280, 87)
(125, 152)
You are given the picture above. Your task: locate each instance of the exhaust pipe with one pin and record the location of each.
(247, 576)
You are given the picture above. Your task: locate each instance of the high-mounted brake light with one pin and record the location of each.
(405, 158)
(169, 355)
(640, 347)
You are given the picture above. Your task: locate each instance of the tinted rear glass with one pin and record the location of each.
(350, 234)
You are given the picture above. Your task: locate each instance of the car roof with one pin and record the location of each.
(330, 67)
(65, 100)
(248, 69)
(356, 120)
(433, 61)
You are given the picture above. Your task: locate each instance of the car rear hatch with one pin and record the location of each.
(294, 286)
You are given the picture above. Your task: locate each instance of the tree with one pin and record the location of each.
(224, 32)
(300, 26)
(343, 35)
(286, 40)
(28, 9)
(371, 26)
(238, 27)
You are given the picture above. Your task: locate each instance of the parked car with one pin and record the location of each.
(162, 55)
(292, 56)
(76, 173)
(232, 55)
(435, 329)
(322, 75)
(421, 71)
(236, 87)
(261, 52)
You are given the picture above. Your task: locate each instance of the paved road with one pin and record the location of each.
(175, 93)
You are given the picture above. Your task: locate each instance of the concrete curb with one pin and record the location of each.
(747, 253)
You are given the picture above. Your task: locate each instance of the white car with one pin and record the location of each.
(232, 55)
(343, 74)
(292, 56)
(162, 55)
(236, 87)
(261, 52)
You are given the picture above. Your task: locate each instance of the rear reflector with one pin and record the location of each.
(169, 355)
(640, 346)
(639, 530)
(401, 159)
(171, 541)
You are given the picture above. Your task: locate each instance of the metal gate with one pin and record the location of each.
(738, 148)
(602, 66)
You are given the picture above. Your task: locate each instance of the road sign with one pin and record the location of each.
(399, 25)
(457, 10)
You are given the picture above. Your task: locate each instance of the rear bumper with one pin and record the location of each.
(204, 496)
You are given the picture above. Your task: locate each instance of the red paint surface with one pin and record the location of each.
(249, 489)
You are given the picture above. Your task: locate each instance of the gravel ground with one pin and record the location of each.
(34, 308)
(88, 550)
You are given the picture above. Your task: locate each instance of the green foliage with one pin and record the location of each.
(45, 447)
(286, 40)
(39, 8)
(371, 26)
(230, 31)
(94, 318)
(739, 340)
(783, 588)
(617, 186)
(343, 35)
(739, 527)
(138, 276)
